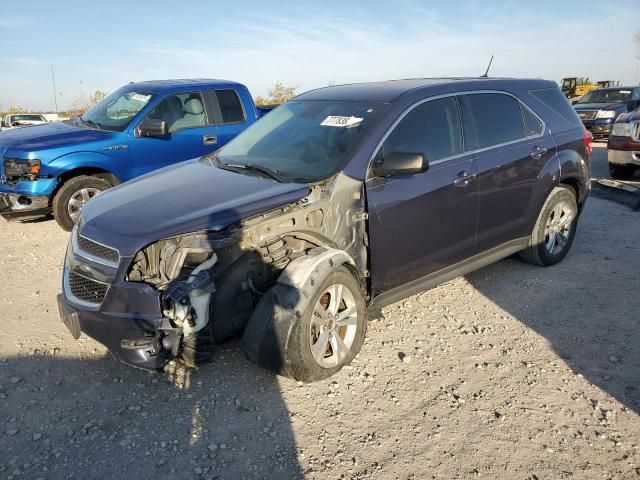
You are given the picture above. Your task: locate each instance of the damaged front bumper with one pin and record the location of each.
(94, 291)
(16, 205)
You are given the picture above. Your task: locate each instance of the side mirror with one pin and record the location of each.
(632, 105)
(153, 128)
(400, 163)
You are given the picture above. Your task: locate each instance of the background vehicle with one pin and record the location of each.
(337, 203)
(576, 86)
(608, 84)
(600, 108)
(17, 120)
(139, 128)
(624, 144)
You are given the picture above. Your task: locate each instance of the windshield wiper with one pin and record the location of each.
(275, 174)
(91, 122)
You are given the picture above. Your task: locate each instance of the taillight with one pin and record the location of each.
(588, 138)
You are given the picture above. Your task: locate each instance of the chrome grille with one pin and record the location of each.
(86, 289)
(634, 128)
(587, 114)
(97, 250)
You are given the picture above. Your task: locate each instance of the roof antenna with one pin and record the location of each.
(486, 74)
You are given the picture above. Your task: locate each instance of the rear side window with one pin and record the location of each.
(432, 129)
(556, 101)
(230, 106)
(532, 125)
(498, 118)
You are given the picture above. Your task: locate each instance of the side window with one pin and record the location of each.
(498, 118)
(230, 106)
(532, 125)
(182, 110)
(556, 101)
(432, 129)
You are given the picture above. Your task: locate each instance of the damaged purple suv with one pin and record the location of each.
(337, 203)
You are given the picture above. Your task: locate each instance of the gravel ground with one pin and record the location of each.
(512, 372)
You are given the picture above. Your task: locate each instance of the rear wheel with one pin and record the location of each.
(73, 195)
(621, 172)
(554, 230)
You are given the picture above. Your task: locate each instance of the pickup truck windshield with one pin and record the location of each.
(303, 141)
(606, 96)
(116, 111)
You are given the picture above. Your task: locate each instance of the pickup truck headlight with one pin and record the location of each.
(621, 130)
(607, 114)
(17, 167)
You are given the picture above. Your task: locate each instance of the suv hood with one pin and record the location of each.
(182, 198)
(600, 106)
(49, 136)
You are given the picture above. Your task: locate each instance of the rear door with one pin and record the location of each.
(513, 148)
(231, 117)
(422, 223)
(192, 133)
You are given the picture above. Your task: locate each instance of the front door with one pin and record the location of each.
(422, 223)
(192, 133)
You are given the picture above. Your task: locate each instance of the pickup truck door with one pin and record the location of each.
(419, 224)
(192, 133)
(230, 115)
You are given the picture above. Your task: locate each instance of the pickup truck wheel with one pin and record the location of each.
(554, 230)
(621, 172)
(331, 331)
(72, 196)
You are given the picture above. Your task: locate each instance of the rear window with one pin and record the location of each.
(498, 118)
(230, 106)
(556, 101)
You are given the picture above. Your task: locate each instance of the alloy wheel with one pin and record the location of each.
(558, 228)
(78, 200)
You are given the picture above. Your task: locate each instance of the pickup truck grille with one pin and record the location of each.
(97, 250)
(587, 114)
(634, 128)
(86, 289)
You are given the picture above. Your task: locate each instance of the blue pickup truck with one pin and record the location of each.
(58, 167)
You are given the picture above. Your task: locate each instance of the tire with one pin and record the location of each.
(621, 172)
(554, 230)
(73, 194)
(311, 333)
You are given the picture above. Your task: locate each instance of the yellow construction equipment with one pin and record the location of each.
(576, 86)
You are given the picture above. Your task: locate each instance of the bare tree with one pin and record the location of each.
(277, 95)
(84, 102)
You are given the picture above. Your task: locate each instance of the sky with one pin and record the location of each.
(101, 45)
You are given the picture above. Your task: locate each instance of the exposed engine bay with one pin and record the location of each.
(211, 281)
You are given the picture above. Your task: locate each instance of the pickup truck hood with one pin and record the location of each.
(50, 136)
(600, 106)
(182, 198)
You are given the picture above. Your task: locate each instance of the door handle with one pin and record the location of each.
(463, 179)
(209, 139)
(538, 152)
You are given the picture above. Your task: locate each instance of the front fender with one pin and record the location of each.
(116, 163)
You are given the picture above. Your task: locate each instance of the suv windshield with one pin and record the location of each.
(607, 96)
(28, 118)
(116, 111)
(303, 141)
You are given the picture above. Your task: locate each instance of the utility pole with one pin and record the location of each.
(55, 96)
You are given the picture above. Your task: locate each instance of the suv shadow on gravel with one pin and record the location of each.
(98, 419)
(586, 309)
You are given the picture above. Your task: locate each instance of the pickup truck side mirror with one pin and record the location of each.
(400, 163)
(151, 127)
(632, 105)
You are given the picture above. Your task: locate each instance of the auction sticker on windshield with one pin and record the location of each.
(340, 121)
(140, 97)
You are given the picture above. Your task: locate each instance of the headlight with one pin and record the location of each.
(16, 167)
(606, 114)
(621, 130)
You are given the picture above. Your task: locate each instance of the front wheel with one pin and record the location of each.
(554, 230)
(331, 332)
(72, 196)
